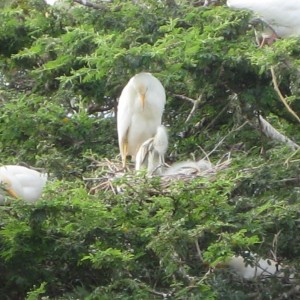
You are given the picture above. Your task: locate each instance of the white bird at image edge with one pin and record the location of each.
(282, 16)
(21, 182)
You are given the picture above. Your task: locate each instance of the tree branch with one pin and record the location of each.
(196, 103)
(273, 134)
(195, 106)
(276, 87)
(93, 5)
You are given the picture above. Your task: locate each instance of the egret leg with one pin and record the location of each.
(124, 153)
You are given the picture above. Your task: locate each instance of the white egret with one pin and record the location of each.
(253, 267)
(21, 182)
(281, 16)
(140, 110)
(188, 167)
(151, 154)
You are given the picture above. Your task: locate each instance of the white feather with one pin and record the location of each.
(151, 155)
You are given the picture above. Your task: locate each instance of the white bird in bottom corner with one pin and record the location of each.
(151, 155)
(281, 16)
(140, 110)
(21, 182)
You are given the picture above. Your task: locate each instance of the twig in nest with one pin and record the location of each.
(276, 87)
(273, 134)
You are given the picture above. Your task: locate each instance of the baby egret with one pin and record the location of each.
(188, 167)
(21, 182)
(140, 110)
(280, 16)
(151, 154)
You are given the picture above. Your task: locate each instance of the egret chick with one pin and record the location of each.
(140, 110)
(188, 167)
(151, 154)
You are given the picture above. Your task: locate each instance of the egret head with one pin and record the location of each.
(141, 83)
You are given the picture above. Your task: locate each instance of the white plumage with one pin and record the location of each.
(151, 154)
(281, 15)
(140, 110)
(188, 167)
(21, 182)
(256, 267)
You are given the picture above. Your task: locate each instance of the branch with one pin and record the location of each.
(184, 97)
(196, 104)
(92, 5)
(273, 134)
(228, 134)
(275, 83)
(199, 251)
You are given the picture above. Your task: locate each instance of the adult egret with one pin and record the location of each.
(140, 110)
(21, 182)
(151, 154)
(282, 17)
(188, 167)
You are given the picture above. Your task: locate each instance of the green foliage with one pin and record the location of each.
(62, 71)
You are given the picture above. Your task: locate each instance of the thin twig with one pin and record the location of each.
(217, 117)
(91, 4)
(184, 98)
(222, 140)
(195, 106)
(199, 251)
(276, 87)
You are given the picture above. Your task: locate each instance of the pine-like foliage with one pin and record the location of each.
(62, 69)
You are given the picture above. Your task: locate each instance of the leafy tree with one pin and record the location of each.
(62, 70)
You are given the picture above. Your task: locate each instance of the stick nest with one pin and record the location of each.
(108, 175)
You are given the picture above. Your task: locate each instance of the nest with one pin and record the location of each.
(110, 176)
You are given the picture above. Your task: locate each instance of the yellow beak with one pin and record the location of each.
(142, 98)
(12, 193)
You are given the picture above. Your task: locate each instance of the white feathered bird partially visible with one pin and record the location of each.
(140, 110)
(151, 155)
(281, 16)
(21, 182)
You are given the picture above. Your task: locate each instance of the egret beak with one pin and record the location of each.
(12, 193)
(142, 98)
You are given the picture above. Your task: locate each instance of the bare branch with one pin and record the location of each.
(199, 251)
(228, 134)
(92, 5)
(195, 106)
(184, 98)
(196, 103)
(273, 134)
(276, 87)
